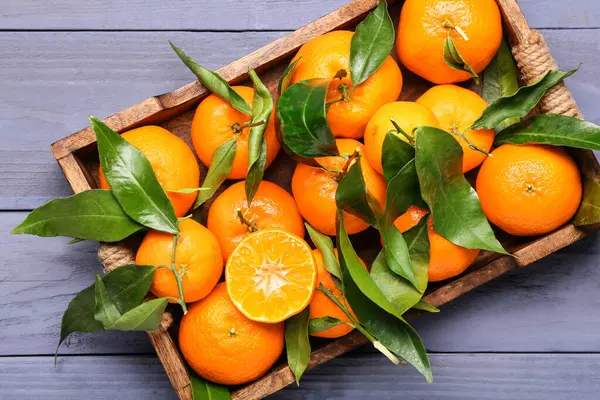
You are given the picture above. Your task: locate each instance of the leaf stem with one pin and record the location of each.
(252, 124)
(252, 227)
(346, 167)
(455, 131)
(448, 24)
(401, 131)
(178, 275)
(342, 307)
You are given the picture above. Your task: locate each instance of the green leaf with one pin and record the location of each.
(73, 241)
(214, 83)
(286, 76)
(145, 317)
(304, 129)
(353, 270)
(316, 325)
(375, 312)
(88, 215)
(297, 344)
(552, 129)
(500, 79)
(352, 196)
(455, 61)
(105, 310)
(325, 246)
(397, 290)
(402, 192)
(425, 306)
(371, 44)
(589, 210)
(257, 147)
(126, 286)
(132, 181)
(520, 103)
(206, 390)
(454, 205)
(189, 190)
(396, 153)
(220, 167)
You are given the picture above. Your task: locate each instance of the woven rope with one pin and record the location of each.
(534, 61)
(114, 255)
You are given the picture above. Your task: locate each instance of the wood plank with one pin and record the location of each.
(52, 82)
(38, 279)
(232, 15)
(456, 376)
(552, 305)
(353, 376)
(127, 67)
(84, 377)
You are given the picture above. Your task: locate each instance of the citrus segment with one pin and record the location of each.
(271, 275)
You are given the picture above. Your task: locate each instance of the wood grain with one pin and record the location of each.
(552, 304)
(83, 180)
(30, 119)
(353, 376)
(227, 15)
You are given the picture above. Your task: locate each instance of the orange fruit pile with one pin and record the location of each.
(234, 330)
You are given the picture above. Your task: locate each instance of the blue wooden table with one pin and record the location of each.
(532, 334)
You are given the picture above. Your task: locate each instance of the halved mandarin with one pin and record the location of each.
(271, 275)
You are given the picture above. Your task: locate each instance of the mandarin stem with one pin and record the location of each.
(455, 131)
(173, 269)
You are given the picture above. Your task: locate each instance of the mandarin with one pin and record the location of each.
(272, 208)
(456, 109)
(225, 347)
(406, 114)
(446, 259)
(172, 161)
(271, 275)
(529, 190)
(327, 55)
(322, 306)
(425, 24)
(216, 121)
(314, 189)
(197, 253)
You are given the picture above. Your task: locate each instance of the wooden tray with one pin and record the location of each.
(77, 156)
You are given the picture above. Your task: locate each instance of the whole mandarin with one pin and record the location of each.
(172, 161)
(324, 57)
(216, 121)
(197, 253)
